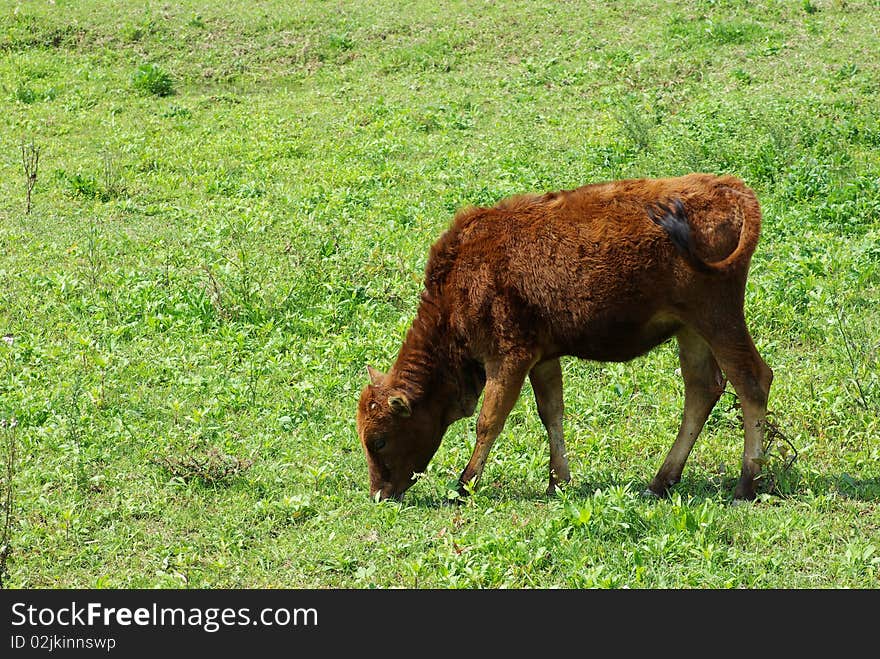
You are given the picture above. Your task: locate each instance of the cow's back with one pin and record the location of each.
(584, 271)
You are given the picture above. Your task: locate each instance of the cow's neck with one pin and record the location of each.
(430, 367)
(423, 356)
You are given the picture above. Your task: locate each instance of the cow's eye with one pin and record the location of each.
(379, 444)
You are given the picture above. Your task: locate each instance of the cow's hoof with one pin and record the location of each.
(648, 493)
(745, 493)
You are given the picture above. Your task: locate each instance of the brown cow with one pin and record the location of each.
(604, 272)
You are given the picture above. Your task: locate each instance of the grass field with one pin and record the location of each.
(231, 217)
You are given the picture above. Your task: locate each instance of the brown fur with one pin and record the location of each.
(603, 272)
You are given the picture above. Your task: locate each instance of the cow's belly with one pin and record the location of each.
(622, 339)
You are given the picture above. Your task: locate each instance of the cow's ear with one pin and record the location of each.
(399, 404)
(375, 376)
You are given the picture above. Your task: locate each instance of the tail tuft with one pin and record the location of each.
(674, 221)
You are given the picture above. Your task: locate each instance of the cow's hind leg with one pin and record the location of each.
(751, 379)
(546, 379)
(504, 380)
(703, 386)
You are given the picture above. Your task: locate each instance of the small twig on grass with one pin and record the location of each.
(9, 454)
(30, 160)
(216, 292)
(772, 433)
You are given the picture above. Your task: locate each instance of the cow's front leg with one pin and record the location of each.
(546, 379)
(504, 380)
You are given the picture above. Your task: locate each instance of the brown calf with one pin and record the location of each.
(604, 272)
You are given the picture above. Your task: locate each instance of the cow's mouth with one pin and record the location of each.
(386, 492)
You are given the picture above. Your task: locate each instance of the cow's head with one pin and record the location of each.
(399, 436)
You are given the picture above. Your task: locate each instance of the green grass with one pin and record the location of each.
(205, 274)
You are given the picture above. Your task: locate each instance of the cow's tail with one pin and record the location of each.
(673, 219)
